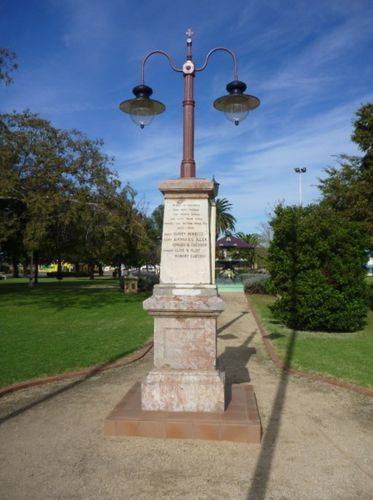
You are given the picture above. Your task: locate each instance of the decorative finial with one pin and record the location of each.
(189, 33)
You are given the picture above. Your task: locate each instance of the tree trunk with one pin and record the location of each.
(30, 278)
(100, 270)
(36, 269)
(77, 267)
(25, 265)
(59, 268)
(15, 263)
(91, 268)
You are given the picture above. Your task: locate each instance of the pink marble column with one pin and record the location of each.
(185, 306)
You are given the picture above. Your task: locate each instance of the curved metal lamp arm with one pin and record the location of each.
(223, 49)
(163, 53)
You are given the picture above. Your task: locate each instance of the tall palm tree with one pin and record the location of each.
(253, 239)
(225, 221)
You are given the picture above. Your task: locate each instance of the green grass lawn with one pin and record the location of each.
(346, 356)
(62, 326)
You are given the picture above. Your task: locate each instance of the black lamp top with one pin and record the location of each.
(236, 87)
(142, 91)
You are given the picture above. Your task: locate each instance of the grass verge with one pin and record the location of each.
(62, 326)
(345, 356)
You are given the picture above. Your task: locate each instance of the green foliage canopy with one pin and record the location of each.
(225, 220)
(316, 262)
(60, 199)
(349, 189)
(8, 64)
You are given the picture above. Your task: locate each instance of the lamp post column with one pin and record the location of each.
(188, 165)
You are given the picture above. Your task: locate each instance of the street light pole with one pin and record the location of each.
(236, 105)
(300, 171)
(188, 165)
(185, 377)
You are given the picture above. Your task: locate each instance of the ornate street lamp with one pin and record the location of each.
(185, 304)
(236, 105)
(142, 109)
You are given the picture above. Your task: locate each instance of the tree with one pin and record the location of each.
(363, 133)
(225, 221)
(249, 254)
(316, 262)
(12, 226)
(156, 221)
(349, 189)
(266, 233)
(125, 239)
(80, 223)
(64, 184)
(29, 164)
(8, 64)
(154, 231)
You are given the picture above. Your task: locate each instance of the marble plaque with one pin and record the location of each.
(185, 257)
(187, 343)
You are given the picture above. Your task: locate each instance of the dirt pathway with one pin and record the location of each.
(318, 440)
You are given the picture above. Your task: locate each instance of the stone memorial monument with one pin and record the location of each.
(185, 305)
(185, 395)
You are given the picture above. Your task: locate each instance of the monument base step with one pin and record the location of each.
(167, 389)
(240, 422)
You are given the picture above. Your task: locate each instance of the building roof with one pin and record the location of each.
(232, 242)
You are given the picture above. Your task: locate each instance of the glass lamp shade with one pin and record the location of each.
(142, 109)
(236, 105)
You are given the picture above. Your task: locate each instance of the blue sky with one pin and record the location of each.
(310, 63)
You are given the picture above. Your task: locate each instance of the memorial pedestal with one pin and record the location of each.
(185, 377)
(185, 306)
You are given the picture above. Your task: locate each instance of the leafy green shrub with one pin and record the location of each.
(255, 283)
(147, 282)
(316, 262)
(370, 296)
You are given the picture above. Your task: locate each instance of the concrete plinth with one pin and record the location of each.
(240, 422)
(166, 389)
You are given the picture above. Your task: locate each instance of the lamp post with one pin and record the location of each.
(236, 105)
(186, 383)
(300, 171)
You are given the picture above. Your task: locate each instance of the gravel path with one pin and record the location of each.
(318, 440)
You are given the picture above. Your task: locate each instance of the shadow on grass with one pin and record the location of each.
(274, 336)
(63, 389)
